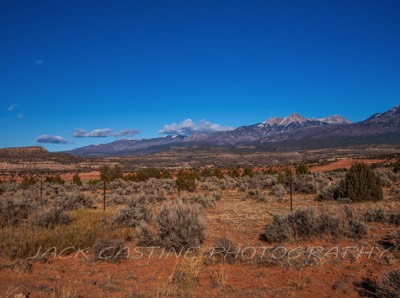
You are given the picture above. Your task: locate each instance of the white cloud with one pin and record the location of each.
(126, 133)
(21, 115)
(38, 62)
(12, 107)
(51, 139)
(97, 133)
(104, 132)
(188, 127)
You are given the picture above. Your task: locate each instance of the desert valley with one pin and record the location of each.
(196, 219)
(199, 148)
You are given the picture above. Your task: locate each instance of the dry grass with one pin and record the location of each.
(184, 277)
(219, 276)
(87, 226)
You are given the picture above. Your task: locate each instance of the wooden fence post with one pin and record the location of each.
(104, 195)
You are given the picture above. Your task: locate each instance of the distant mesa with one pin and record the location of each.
(36, 154)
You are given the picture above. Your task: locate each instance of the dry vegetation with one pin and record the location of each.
(217, 232)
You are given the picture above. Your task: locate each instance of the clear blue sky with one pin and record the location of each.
(109, 68)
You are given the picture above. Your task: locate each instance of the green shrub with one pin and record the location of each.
(77, 180)
(54, 179)
(396, 166)
(218, 173)
(147, 173)
(28, 182)
(108, 173)
(186, 180)
(302, 169)
(94, 183)
(165, 174)
(247, 171)
(361, 184)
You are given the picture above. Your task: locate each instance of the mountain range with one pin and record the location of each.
(291, 132)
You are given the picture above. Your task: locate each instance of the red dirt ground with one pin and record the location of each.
(238, 219)
(83, 175)
(344, 164)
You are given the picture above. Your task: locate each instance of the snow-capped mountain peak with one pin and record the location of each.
(273, 121)
(294, 117)
(335, 119)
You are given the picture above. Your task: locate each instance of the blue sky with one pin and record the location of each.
(73, 70)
